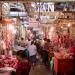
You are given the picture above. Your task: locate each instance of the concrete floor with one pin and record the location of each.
(40, 69)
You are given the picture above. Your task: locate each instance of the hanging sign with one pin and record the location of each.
(43, 6)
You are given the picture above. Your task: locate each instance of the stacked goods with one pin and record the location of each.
(65, 55)
(6, 61)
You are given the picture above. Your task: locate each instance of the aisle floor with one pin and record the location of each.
(40, 69)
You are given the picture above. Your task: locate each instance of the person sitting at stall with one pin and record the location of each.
(23, 66)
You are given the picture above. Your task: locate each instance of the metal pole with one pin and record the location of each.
(39, 15)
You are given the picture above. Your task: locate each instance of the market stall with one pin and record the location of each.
(7, 64)
(63, 63)
(51, 25)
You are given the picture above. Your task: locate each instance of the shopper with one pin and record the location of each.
(46, 51)
(22, 43)
(37, 45)
(32, 53)
(23, 66)
(28, 43)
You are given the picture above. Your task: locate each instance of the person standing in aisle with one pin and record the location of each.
(32, 53)
(28, 43)
(45, 52)
(22, 43)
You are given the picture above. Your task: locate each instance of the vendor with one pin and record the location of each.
(2, 47)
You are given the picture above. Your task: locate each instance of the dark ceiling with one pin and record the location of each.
(39, 0)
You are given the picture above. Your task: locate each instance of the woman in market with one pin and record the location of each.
(23, 66)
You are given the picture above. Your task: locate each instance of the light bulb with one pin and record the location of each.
(33, 5)
(41, 32)
(14, 31)
(11, 27)
(69, 25)
(51, 29)
(61, 26)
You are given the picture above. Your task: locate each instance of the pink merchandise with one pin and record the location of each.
(7, 61)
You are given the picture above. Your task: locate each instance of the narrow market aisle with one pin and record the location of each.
(40, 69)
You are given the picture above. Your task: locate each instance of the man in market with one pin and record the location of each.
(45, 52)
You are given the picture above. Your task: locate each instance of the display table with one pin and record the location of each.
(8, 61)
(7, 64)
(62, 66)
(6, 70)
(17, 48)
(5, 73)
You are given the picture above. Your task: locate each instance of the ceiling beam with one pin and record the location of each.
(24, 1)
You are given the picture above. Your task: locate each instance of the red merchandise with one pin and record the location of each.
(8, 61)
(9, 39)
(72, 50)
(62, 65)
